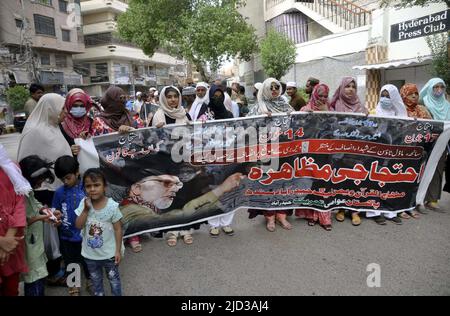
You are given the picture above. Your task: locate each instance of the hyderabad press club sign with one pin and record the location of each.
(419, 27)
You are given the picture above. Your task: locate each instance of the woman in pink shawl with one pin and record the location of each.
(346, 99)
(76, 123)
(319, 99)
(318, 102)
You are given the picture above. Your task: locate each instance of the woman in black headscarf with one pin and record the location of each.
(216, 104)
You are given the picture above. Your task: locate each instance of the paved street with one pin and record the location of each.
(11, 143)
(414, 259)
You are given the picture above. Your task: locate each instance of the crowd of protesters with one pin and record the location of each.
(51, 216)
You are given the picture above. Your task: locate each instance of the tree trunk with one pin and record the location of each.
(201, 70)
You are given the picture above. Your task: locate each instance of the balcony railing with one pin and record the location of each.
(344, 13)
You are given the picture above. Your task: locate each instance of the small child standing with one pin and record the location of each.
(36, 171)
(67, 198)
(99, 219)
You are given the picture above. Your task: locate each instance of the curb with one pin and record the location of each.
(9, 129)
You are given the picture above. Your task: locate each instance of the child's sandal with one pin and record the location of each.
(172, 241)
(74, 291)
(188, 240)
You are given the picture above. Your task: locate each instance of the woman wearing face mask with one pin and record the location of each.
(76, 123)
(346, 100)
(217, 107)
(390, 105)
(433, 97)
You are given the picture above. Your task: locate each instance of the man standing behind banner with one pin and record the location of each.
(150, 197)
(200, 105)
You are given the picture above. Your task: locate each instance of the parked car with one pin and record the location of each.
(20, 118)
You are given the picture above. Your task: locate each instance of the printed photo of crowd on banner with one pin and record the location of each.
(92, 175)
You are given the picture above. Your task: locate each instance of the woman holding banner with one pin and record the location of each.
(346, 100)
(270, 101)
(171, 111)
(410, 97)
(116, 118)
(318, 102)
(75, 122)
(433, 97)
(389, 105)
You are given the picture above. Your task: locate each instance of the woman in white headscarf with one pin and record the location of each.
(42, 136)
(270, 100)
(432, 96)
(171, 110)
(391, 103)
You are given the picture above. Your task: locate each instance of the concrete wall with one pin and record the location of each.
(330, 71)
(334, 45)
(315, 30)
(98, 17)
(418, 75)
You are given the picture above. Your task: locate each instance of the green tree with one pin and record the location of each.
(278, 54)
(17, 96)
(201, 31)
(440, 63)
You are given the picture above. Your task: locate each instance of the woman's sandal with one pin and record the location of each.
(286, 225)
(172, 241)
(270, 226)
(136, 246)
(327, 227)
(74, 291)
(188, 239)
(311, 222)
(404, 215)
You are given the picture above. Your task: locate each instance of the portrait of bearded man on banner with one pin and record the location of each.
(162, 194)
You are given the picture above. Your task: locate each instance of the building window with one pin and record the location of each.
(62, 6)
(65, 35)
(61, 61)
(97, 39)
(44, 25)
(45, 59)
(19, 23)
(83, 69)
(101, 69)
(45, 2)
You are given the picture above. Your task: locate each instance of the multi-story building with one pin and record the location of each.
(37, 41)
(110, 60)
(337, 38)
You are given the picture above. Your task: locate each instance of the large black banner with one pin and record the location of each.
(177, 175)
